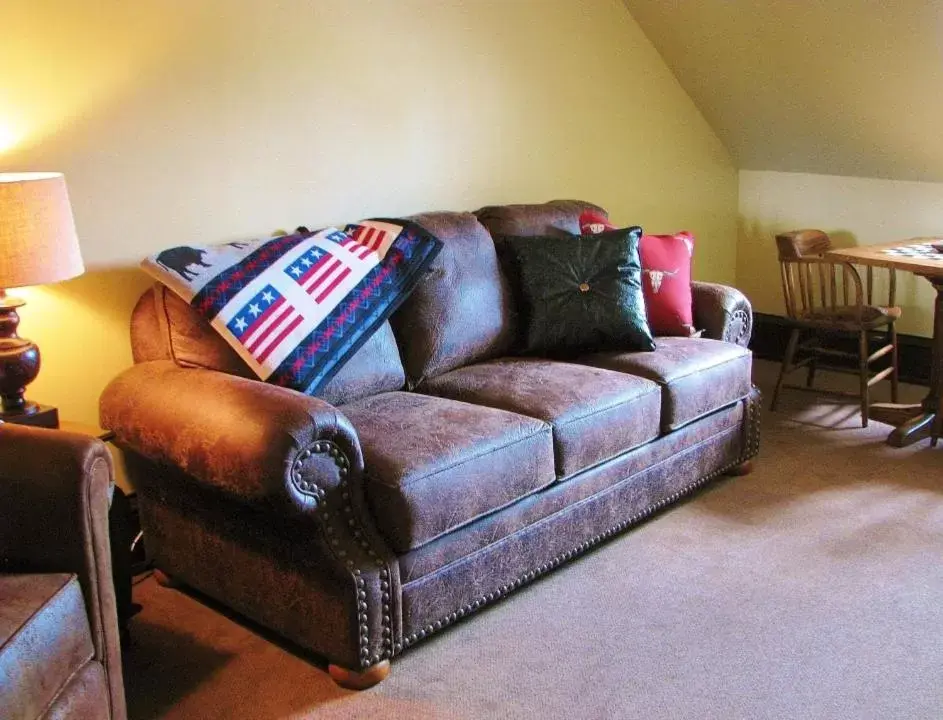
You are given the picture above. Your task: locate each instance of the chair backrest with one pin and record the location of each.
(815, 286)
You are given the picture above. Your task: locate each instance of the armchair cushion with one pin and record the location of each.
(595, 413)
(433, 465)
(697, 375)
(44, 640)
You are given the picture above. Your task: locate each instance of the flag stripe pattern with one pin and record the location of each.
(362, 240)
(318, 272)
(348, 242)
(264, 322)
(369, 238)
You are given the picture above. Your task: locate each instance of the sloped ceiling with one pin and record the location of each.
(840, 87)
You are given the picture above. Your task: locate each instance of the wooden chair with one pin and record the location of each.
(827, 301)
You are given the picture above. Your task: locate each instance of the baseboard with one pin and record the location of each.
(771, 333)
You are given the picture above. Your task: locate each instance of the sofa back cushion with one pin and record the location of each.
(460, 312)
(147, 340)
(556, 217)
(164, 326)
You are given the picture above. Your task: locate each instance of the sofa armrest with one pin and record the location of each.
(261, 444)
(253, 441)
(54, 491)
(722, 312)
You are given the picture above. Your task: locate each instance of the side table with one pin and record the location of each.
(122, 533)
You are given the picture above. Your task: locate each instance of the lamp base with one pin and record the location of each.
(19, 361)
(45, 416)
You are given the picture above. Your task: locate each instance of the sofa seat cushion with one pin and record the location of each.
(595, 413)
(44, 640)
(697, 375)
(433, 465)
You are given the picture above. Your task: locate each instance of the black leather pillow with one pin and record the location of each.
(578, 293)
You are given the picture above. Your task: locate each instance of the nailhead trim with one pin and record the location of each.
(752, 446)
(754, 405)
(739, 319)
(317, 494)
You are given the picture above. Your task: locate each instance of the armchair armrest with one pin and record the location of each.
(253, 441)
(722, 312)
(54, 489)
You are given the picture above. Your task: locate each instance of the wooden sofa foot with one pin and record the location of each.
(167, 581)
(353, 680)
(744, 468)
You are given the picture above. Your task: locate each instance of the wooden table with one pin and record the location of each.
(914, 422)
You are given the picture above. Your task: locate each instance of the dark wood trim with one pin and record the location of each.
(771, 333)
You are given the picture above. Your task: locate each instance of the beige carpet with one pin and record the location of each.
(812, 588)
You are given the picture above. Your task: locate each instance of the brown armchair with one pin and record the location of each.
(60, 654)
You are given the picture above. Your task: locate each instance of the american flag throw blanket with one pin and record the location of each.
(297, 307)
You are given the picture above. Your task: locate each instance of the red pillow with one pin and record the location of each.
(666, 270)
(593, 223)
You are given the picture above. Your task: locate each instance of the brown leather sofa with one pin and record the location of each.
(437, 472)
(60, 656)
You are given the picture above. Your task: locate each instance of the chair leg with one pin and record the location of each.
(894, 363)
(937, 429)
(863, 375)
(810, 377)
(786, 366)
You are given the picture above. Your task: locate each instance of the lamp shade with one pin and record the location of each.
(38, 243)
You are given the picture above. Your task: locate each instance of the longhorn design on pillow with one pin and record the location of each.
(656, 277)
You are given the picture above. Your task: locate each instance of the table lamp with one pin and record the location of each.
(38, 245)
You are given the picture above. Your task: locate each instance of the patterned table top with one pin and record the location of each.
(915, 255)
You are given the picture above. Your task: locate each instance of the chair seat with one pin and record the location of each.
(595, 413)
(697, 376)
(845, 318)
(433, 465)
(44, 640)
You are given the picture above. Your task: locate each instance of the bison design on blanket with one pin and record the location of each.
(179, 259)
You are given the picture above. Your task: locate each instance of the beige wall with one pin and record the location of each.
(854, 211)
(843, 87)
(208, 120)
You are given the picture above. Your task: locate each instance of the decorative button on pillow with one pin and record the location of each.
(297, 307)
(666, 267)
(580, 293)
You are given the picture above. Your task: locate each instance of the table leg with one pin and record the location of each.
(917, 422)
